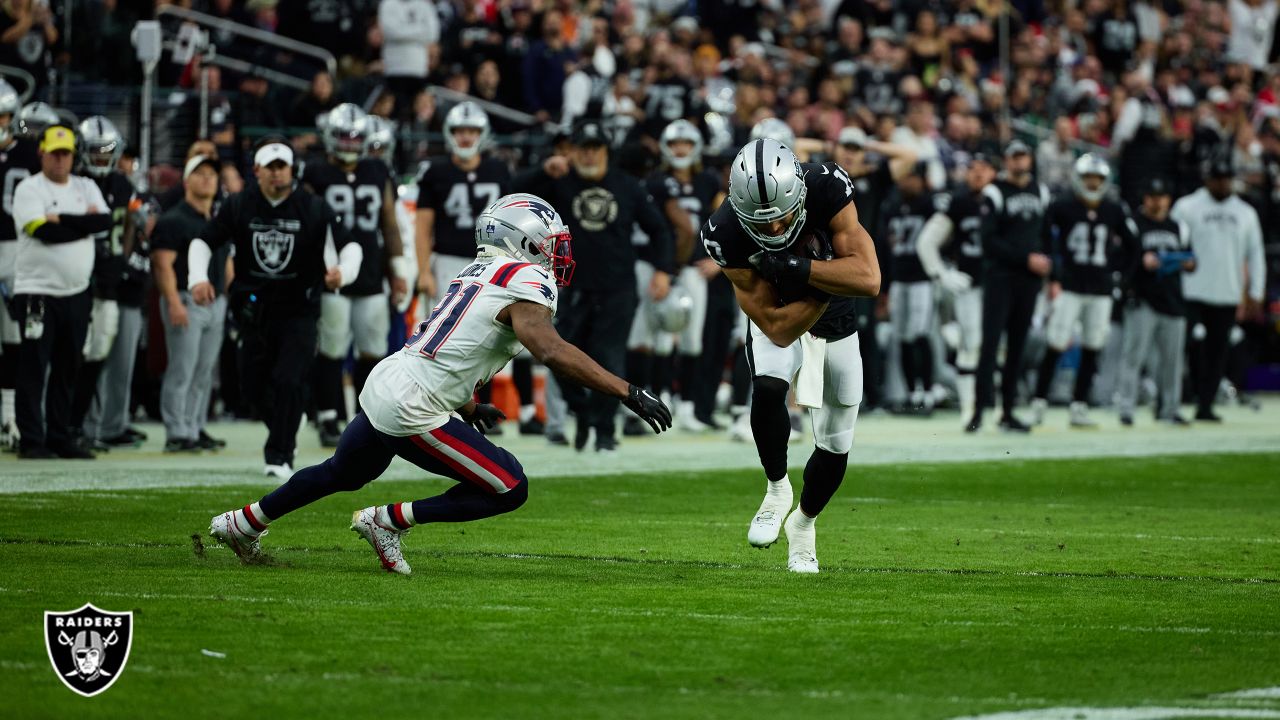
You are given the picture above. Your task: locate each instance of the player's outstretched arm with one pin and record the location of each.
(532, 324)
(782, 324)
(855, 271)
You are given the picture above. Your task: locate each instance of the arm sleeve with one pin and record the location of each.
(198, 257)
(86, 224)
(349, 259)
(661, 248)
(1255, 260)
(933, 235)
(1127, 123)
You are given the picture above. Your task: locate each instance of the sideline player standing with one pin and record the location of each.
(18, 161)
(361, 194)
(962, 220)
(280, 236)
(1090, 239)
(1013, 216)
(502, 301)
(776, 208)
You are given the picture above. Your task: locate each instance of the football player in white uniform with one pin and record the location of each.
(418, 403)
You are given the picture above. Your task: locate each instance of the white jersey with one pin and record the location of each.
(460, 346)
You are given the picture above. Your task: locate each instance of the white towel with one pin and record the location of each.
(809, 379)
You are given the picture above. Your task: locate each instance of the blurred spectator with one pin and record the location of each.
(545, 69)
(27, 33)
(1054, 157)
(408, 27)
(313, 103)
(1253, 28)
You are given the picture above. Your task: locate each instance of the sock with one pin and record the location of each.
(966, 389)
(822, 477)
(1045, 377)
(774, 488)
(8, 413)
(323, 416)
(395, 515)
(907, 356)
(528, 412)
(522, 375)
(250, 519)
(802, 519)
(924, 362)
(771, 424)
(1084, 378)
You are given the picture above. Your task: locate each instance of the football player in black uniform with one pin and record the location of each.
(1090, 238)
(361, 194)
(789, 240)
(911, 291)
(452, 191)
(283, 239)
(100, 147)
(18, 160)
(961, 274)
(685, 193)
(1013, 217)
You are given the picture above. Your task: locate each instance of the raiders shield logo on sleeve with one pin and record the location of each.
(88, 647)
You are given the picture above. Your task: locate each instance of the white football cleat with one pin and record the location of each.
(802, 555)
(1038, 408)
(9, 437)
(768, 520)
(740, 430)
(224, 529)
(1080, 416)
(687, 421)
(280, 472)
(385, 540)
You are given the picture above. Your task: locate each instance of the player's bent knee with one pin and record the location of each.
(515, 497)
(769, 389)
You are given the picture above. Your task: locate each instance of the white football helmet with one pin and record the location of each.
(774, 129)
(380, 142)
(9, 105)
(681, 130)
(466, 115)
(34, 118)
(525, 227)
(1086, 165)
(100, 145)
(766, 184)
(344, 130)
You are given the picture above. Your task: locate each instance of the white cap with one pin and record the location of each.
(852, 136)
(268, 154)
(195, 162)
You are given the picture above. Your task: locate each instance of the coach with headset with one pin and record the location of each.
(289, 250)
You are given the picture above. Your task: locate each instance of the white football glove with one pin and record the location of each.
(954, 280)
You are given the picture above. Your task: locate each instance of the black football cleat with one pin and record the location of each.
(330, 433)
(581, 435)
(1012, 424)
(532, 426)
(975, 424)
(208, 442)
(1208, 415)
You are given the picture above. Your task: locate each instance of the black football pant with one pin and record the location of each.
(1008, 302)
(275, 356)
(1209, 355)
(717, 334)
(598, 322)
(44, 408)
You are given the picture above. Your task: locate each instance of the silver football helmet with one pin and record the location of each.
(1087, 165)
(672, 313)
(525, 227)
(774, 129)
(345, 129)
(34, 118)
(380, 143)
(10, 104)
(466, 115)
(681, 130)
(766, 187)
(100, 145)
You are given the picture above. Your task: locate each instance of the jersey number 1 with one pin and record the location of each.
(448, 312)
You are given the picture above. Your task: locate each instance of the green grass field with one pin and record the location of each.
(947, 590)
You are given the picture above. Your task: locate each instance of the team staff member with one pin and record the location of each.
(19, 159)
(1013, 215)
(56, 215)
(280, 235)
(604, 205)
(192, 333)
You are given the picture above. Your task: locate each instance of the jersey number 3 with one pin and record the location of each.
(436, 329)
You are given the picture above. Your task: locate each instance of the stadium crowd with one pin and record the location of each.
(635, 109)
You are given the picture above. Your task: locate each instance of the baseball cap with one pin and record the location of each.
(589, 133)
(1220, 167)
(58, 138)
(1157, 186)
(195, 162)
(852, 137)
(1017, 147)
(981, 157)
(272, 152)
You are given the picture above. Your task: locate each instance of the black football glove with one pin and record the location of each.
(649, 408)
(782, 267)
(485, 417)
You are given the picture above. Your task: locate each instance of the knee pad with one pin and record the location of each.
(833, 428)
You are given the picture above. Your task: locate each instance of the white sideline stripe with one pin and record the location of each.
(1124, 713)
(726, 617)
(1253, 693)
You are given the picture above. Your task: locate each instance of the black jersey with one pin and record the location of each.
(1013, 225)
(965, 248)
(17, 162)
(1088, 245)
(110, 264)
(458, 197)
(356, 199)
(696, 197)
(279, 249)
(829, 191)
(901, 223)
(667, 100)
(1160, 288)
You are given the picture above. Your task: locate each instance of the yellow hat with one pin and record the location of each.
(58, 138)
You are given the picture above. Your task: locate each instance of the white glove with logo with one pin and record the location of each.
(954, 280)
